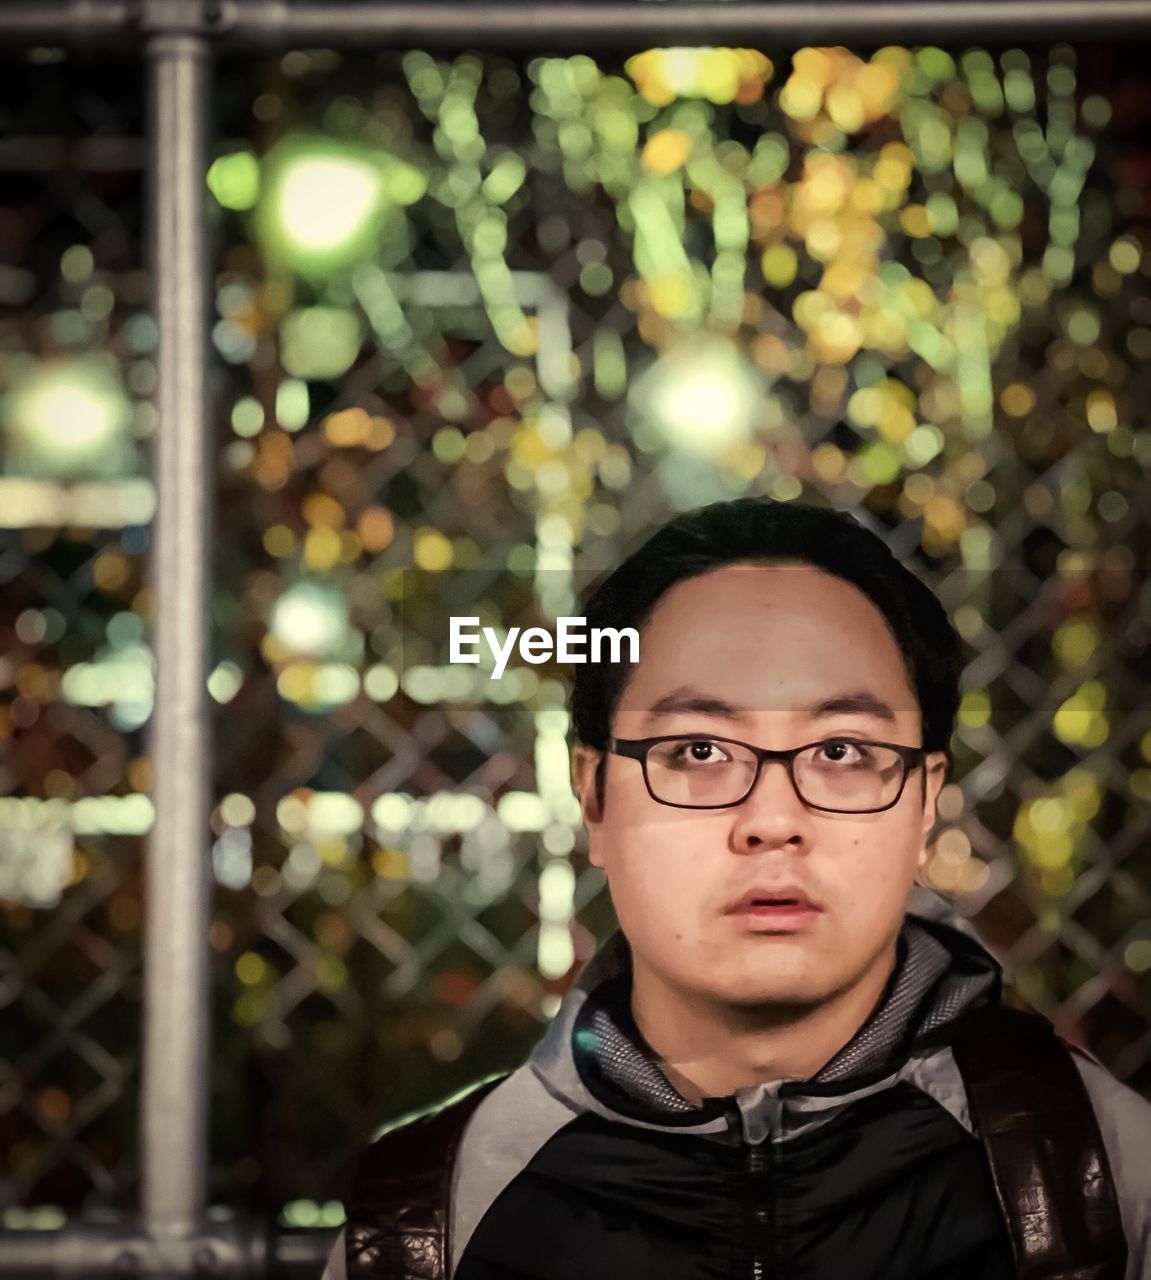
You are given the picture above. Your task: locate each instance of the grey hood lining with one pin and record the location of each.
(594, 1056)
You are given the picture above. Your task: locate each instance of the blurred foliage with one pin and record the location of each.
(480, 326)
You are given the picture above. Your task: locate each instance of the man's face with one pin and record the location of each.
(742, 653)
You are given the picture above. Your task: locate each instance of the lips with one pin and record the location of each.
(768, 901)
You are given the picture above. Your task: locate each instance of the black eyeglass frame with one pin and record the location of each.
(637, 749)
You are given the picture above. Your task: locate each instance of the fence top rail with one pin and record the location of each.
(566, 25)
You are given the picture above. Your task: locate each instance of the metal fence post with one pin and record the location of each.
(175, 1070)
(561, 25)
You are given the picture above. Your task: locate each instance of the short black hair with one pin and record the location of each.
(758, 528)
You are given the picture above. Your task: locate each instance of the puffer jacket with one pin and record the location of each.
(951, 1139)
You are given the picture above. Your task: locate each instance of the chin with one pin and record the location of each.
(797, 993)
(775, 988)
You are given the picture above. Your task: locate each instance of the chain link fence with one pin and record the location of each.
(932, 269)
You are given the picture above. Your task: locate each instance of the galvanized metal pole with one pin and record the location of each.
(175, 1073)
(561, 25)
(67, 22)
(557, 26)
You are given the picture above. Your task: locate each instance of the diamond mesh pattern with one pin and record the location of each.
(360, 968)
(70, 584)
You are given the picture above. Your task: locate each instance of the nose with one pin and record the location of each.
(773, 815)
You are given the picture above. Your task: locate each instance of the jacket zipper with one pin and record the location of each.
(756, 1164)
(761, 1166)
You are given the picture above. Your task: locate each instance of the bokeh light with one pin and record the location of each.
(701, 397)
(323, 205)
(479, 324)
(67, 418)
(310, 620)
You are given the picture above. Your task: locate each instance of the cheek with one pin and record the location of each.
(876, 868)
(658, 870)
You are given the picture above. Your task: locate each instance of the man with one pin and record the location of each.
(774, 1068)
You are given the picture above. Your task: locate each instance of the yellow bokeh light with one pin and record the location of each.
(348, 427)
(390, 864)
(1102, 416)
(320, 509)
(666, 151)
(432, 550)
(717, 74)
(322, 548)
(1017, 400)
(779, 265)
(914, 220)
(975, 708)
(1075, 641)
(835, 83)
(279, 540)
(251, 968)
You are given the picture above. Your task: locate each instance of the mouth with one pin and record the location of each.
(786, 908)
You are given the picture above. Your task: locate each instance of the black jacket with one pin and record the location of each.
(951, 1139)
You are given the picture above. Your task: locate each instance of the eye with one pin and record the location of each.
(697, 751)
(837, 745)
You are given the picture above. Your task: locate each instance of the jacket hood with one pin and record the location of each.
(594, 1058)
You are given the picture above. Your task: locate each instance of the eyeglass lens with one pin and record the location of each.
(832, 775)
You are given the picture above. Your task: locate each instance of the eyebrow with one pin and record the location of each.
(859, 702)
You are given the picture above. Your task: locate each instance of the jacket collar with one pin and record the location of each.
(594, 1055)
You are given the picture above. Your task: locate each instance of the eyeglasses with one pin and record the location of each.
(839, 775)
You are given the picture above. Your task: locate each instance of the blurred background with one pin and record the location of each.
(493, 318)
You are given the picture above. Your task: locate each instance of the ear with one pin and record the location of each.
(587, 761)
(935, 767)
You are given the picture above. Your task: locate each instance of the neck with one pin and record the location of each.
(709, 1048)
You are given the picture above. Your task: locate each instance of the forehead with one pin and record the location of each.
(771, 639)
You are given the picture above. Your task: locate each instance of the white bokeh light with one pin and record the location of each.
(700, 398)
(310, 620)
(66, 416)
(324, 202)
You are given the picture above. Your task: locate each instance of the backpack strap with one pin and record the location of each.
(1033, 1114)
(399, 1216)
